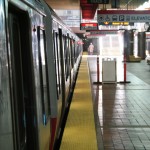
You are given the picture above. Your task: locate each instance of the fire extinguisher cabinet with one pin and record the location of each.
(109, 70)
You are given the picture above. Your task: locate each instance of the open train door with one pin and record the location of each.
(23, 97)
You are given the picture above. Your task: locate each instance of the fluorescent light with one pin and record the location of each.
(144, 6)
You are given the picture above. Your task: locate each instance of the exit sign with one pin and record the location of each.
(98, 1)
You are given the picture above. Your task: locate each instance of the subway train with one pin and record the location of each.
(39, 61)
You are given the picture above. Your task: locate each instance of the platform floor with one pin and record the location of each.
(80, 132)
(121, 110)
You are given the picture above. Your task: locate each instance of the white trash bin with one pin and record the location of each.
(109, 70)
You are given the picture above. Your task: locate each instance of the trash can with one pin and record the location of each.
(109, 70)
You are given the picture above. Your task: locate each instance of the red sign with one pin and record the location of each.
(88, 26)
(98, 1)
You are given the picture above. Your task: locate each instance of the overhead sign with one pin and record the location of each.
(123, 16)
(104, 32)
(98, 1)
(93, 36)
(88, 26)
(117, 23)
(99, 33)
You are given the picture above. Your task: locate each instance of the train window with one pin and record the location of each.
(72, 53)
(65, 45)
(43, 74)
(66, 56)
(75, 51)
(57, 63)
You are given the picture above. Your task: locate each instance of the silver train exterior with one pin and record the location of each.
(39, 59)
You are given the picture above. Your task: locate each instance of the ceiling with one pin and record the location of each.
(64, 4)
(88, 10)
(75, 4)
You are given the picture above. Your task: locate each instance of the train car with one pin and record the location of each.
(39, 58)
(67, 50)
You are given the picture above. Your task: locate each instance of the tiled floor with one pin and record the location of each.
(122, 111)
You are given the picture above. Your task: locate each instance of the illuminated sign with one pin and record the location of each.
(93, 36)
(116, 23)
(98, 1)
(88, 26)
(106, 23)
(103, 32)
(120, 23)
(99, 33)
(123, 16)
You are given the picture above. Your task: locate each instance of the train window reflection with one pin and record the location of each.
(0, 76)
(66, 57)
(42, 50)
(57, 63)
(72, 52)
(43, 74)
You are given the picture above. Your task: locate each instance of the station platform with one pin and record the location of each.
(116, 117)
(79, 132)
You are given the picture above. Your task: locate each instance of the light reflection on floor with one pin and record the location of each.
(122, 111)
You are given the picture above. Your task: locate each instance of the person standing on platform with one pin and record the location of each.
(91, 49)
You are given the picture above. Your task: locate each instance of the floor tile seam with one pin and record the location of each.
(138, 78)
(125, 88)
(127, 127)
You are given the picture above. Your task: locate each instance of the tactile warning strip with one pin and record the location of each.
(79, 133)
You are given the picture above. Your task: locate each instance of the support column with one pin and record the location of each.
(141, 44)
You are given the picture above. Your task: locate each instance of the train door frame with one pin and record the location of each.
(76, 51)
(24, 83)
(57, 63)
(65, 43)
(72, 43)
(70, 64)
(44, 84)
(62, 66)
(67, 53)
(71, 52)
(66, 62)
